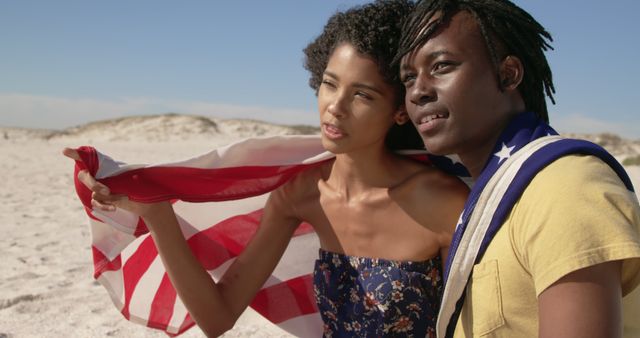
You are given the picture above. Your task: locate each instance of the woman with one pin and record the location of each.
(383, 220)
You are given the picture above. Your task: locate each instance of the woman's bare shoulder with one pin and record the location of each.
(434, 199)
(433, 192)
(427, 180)
(304, 185)
(287, 200)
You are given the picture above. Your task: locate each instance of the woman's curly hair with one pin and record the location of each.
(374, 30)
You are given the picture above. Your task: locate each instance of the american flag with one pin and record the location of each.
(218, 199)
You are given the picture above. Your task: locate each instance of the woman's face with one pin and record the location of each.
(357, 106)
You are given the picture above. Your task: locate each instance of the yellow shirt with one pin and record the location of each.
(574, 214)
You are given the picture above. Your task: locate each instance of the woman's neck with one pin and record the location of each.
(356, 174)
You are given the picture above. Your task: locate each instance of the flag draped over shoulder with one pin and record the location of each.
(231, 185)
(526, 146)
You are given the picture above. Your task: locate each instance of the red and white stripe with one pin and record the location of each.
(230, 185)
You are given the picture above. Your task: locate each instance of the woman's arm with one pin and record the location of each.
(215, 307)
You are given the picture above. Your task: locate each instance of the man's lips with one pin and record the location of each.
(332, 131)
(429, 118)
(429, 122)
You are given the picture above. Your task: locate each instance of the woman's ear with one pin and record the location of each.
(511, 72)
(401, 117)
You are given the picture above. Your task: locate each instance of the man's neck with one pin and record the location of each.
(476, 155)
(475, 160)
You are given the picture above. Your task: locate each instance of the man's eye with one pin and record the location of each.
(442, 66)
(407, 79)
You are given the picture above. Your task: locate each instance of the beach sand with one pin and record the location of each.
(46, 284)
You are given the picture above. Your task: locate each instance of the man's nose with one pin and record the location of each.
(422, 92)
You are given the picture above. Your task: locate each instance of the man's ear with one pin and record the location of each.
(511, 72)
(401, 117)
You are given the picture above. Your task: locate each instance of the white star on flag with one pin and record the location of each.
(455, 159)
(459, 224)
(504, 153)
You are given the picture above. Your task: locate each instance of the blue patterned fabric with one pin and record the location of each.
(372, 297)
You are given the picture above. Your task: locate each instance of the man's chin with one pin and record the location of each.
(436, 147)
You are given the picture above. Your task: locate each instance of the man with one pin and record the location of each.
(549, 240)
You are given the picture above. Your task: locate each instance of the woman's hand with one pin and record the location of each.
(101, 197)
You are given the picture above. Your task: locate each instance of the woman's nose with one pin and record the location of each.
(337, 107)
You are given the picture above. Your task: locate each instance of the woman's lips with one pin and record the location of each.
(332, 132)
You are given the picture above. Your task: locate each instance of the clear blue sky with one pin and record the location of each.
(63, 63)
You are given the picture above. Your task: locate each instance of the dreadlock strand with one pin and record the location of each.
(488, 43)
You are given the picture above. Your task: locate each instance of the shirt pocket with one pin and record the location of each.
(484, 298)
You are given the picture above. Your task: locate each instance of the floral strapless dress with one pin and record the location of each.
(371, 297)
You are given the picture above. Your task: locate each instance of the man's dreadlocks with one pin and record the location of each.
(507, 30)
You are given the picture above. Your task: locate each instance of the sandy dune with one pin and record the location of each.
(46, 288)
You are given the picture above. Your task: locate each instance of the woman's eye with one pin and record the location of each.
(328, 83)
(364, 95)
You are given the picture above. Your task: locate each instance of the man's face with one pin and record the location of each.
(453, 97)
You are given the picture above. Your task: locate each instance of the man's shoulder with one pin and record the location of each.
(572, 191)
(575, 172)
(576, 212)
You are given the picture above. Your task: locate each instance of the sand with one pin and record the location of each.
(46, 284)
